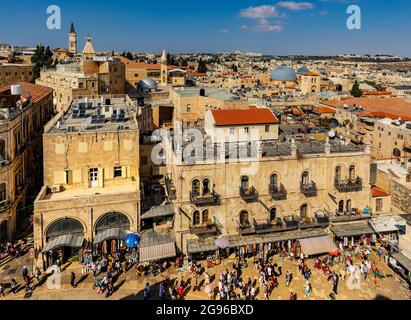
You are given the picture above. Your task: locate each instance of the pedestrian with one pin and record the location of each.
(266, 292)
(293, 296)
(335, 282)
(73, 280)
(288, 278)
(180, 291)
(161, 291)
(37, 274)
(124, 267)
(307, 289)
(24, 272)
(27, 283)
(146, 291)
(14, 286)
(2, 290)
(364, 270)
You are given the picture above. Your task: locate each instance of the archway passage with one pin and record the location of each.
(111, 229)
(64, 238)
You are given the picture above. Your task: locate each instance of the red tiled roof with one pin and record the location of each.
(37, 92)
(244, 117)
(376, 93)
(393, 108)
(378, 192)
(324, 110)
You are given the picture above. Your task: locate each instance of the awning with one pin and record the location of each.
(384, 224)
(402, 260)
(161, 251)
(67, 240)
(317, 245)
(158, 212)
(108, 234)
(352, 229)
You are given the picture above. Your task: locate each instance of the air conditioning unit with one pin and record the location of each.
(55, 189)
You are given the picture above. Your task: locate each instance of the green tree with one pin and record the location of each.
(129, 56)
(42, 57)
(356, 91)
(235, 68)
(202, 67)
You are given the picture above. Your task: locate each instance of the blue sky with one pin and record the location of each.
(272, 27)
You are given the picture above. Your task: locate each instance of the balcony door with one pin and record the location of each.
(93, 177)
(245, 183)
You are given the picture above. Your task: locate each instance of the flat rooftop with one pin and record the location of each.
(214, 93)
(101, 114)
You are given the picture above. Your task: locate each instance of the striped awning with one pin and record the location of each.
(317, 245)
(109, 234)
(67, 240)
(160, 251)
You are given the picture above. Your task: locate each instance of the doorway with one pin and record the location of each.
(93, 176)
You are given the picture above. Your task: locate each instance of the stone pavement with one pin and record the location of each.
(131, 285)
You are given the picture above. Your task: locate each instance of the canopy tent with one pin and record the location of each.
(108, 234)
(67, 240)
(352, 229)
(160, 251)
(157, 212)
(317, 245)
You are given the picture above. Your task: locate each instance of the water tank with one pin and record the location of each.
(16, 90)
(202, 92)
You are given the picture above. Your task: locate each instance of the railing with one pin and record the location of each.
(205, 199)
(246, 228)
(319, 221)
(350, 215)
(309, 189)
(278, 193)
(249, 194)
(202, 229)
(350, 185)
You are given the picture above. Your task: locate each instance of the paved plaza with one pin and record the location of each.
(130, 286)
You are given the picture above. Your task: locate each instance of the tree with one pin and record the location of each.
(129, 56)
(184, 63)
(202, 67)
(355, 91)
(42, 57)
(235, 69)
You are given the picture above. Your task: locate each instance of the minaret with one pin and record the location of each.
(72, 40)
(88, 51)
(164, 69)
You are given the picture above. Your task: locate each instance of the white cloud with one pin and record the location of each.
(323, 13)
(224, 30)
(260, 12)
(296, 6)
(268, 28)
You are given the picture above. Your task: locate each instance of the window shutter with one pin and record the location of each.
(109, 173)
(100, 177)
(77, 176)
(124, 171)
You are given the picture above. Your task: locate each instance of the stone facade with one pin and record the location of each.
(10, 73)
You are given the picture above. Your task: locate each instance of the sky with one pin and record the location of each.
(314, 27)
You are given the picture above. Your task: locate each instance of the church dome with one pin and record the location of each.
(283, 73)
(148, 84)
(302, 70)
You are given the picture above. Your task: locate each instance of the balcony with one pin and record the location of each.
(320, 220)
(351, 185)
(245, 228)
(204, 229)
(275, 226)
(249, 195)
(278, 193)
(309, 189)
(208, 199)
(351, 215)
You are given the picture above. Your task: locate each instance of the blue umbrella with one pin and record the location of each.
(132, 240)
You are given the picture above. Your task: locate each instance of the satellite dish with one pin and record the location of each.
(331, 134)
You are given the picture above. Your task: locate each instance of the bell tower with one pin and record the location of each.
(164, 69)
(72, 40)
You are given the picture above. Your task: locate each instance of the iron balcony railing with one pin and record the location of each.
(309, 189)
(204, 199)
(249, 194)
(350, 185)
(278, 193)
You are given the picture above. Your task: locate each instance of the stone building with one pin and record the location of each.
(22, 117)
(263, 190)
(13, 72)
(90, 196)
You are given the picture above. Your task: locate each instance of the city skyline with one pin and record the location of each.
(270, 27)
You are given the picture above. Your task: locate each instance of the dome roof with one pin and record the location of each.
(283, 73)
(303, 70)
(147, 83)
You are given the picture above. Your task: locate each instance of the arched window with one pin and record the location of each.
(244, 218)
(113, 220)
(352, 172)
(64, 226)
(195, 188)
(206, 186)
(3, 193)
(274, 180)
(305, 178)
(273, 214)
(245, 183)
(341, 206)
(348, 205)
(204, 217)
(338, 173)
(303, 212)
(196, 218)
